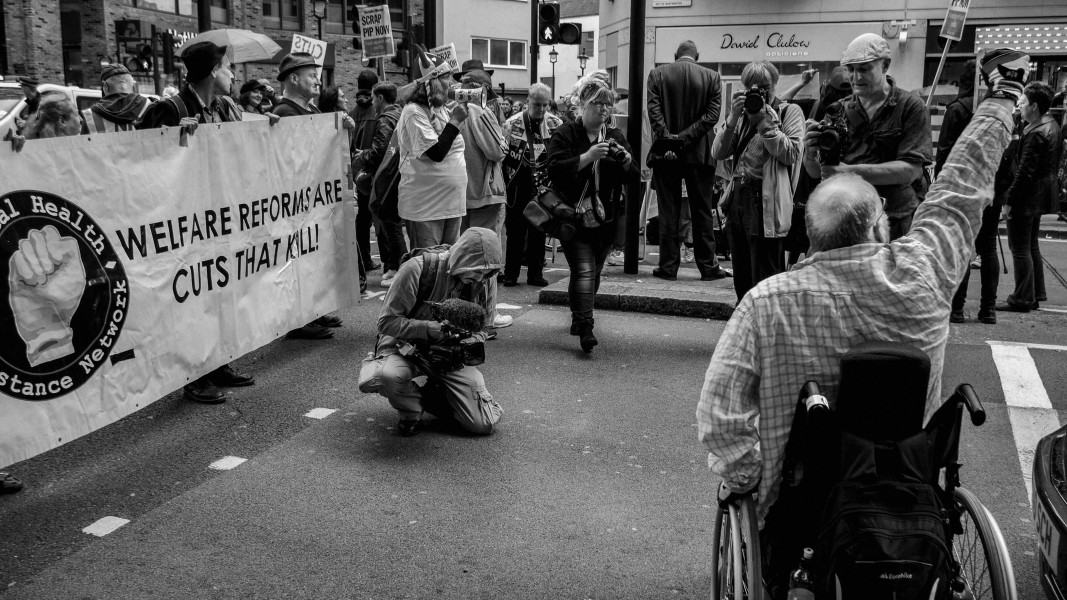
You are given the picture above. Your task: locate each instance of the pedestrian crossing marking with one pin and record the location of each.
(1030, 411)
(320, 413)
(105, 526)
(226, 463)
(1029, 345)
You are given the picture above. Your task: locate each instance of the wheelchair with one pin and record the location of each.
(875, 376)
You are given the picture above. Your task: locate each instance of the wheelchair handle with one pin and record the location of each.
(974, 405)
(810, 390)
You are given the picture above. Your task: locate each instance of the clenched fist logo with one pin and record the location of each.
(46, 279)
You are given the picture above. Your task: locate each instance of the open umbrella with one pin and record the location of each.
(242, 45)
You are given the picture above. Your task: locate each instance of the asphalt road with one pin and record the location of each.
(593, 485)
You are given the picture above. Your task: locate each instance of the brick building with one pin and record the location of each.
(69, 41)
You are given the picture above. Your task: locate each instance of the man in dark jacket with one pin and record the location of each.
(208, 78)
(203, 99)
(364, 117)
(1032, 193)
(684, 100)
(121, 108)
(390, 230)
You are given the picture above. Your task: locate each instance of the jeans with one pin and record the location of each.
(586, 253)
(525, 244)
(424, 234)
(487, 217)
(985, 244)
(1026, 260)
(391, 244)
(699, 179)
(755, 257)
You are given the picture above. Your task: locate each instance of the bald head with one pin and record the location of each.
(687, 48)
(844, 211)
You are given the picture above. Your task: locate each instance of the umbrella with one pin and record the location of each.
(242, 45)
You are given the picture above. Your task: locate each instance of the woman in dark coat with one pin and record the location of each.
(590, 157)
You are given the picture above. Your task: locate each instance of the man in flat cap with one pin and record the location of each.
(33, 99)
(888, 141)
(299, 76)
(121, 108)
(203, 100)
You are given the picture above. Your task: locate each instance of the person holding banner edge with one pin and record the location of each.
(201, 101)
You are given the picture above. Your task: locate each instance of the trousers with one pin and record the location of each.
(985, 244)
(424, 234)
(586, 254)
(1026, 260)
(461, 395)
(699, 179)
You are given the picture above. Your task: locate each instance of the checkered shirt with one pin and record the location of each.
(795, 326)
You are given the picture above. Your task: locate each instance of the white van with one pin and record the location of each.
(12, 101)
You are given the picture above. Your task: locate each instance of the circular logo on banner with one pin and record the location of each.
(63, 296)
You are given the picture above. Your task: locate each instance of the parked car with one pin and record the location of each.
(12, 101)
(1050, 512)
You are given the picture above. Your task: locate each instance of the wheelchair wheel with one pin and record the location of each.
(736, 561)
(981, 552)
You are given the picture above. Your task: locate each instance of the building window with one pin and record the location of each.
(588, 38)
(220, 11)
(283, 14)
(499, 53)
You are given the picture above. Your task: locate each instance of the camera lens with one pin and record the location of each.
(753, 101)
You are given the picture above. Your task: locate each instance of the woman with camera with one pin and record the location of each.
(589, 165)
(762, 144)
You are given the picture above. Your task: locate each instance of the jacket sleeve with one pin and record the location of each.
(399, 301)
(723, 144)
(712, 106)
(486, 133)
(1034, 149)
(785, 144)
(655, 106)
(379, 144)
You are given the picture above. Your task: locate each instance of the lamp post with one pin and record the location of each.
(318, 9)
(553, 56)
(582, 58)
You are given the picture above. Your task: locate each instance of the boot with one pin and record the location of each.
(586, 337)
(987, 315)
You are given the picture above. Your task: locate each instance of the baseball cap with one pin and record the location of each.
(865, 48)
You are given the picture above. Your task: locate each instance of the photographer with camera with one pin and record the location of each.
(880, 133)
(762, 144)
(412, 343)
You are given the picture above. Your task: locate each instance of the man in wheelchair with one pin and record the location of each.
(855, 287)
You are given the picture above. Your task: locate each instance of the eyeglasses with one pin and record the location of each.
(881, 214)
(601, 105)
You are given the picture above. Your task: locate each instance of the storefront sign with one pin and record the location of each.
(376, 31)
(954, 19)
(778, 43)
(671, 3)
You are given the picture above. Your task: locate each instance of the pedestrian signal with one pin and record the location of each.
(570, 33)
(167, 39)
(548, 23)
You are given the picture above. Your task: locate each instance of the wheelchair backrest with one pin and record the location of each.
(882, 392)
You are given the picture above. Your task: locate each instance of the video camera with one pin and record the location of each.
(833, 131)
(460, 320)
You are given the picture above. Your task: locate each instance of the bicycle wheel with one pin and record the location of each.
(735, 563)
(981, 552)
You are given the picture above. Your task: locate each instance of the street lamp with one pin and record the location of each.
(318, 9)
(582, 58)
(553, 56)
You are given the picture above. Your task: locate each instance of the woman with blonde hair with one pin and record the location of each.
(589, 165)
(55, 117)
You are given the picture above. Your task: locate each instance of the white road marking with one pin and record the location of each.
(503, 306)
(370, 295)
(553, 270)
(1029, 345)
(226, 463)
(320, 413)
(1030, 411)
(1055, 310)
(105, 526)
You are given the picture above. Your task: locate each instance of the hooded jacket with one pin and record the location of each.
(115, 112)
(477, 248)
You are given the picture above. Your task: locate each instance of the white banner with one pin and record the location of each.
(316, 48)
(131, 265)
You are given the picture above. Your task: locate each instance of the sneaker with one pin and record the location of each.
(687, 254)
(976, 263)
(501, 321)
(616, 258)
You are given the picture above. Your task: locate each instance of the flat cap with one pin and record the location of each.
(865, 48)
(113, 70)
(294, 61)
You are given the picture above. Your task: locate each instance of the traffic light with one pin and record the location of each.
(570, 33)
(142, 60)
(167, 39)
(548, 23)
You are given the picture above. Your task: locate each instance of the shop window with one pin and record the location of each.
(499, 53)
(220, 10)
(283, 14)
(588, 39)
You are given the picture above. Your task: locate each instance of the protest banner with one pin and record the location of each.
(376, 31)
(448, 54)
(951, 30)
(130, 265)
(316, 48)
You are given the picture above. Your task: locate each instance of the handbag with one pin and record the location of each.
(385, 188)
(549, 214)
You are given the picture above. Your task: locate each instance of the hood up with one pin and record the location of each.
(477, 248)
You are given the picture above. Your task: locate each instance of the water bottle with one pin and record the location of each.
(801, 581)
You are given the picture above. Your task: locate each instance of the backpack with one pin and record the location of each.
(385, 187)
(430, 264)
(884, 537)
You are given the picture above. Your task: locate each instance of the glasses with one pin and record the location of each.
(882, 213)
(601, 105)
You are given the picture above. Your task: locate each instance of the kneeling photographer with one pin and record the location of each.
(431, 332)
(762, 143)
(881, 133)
